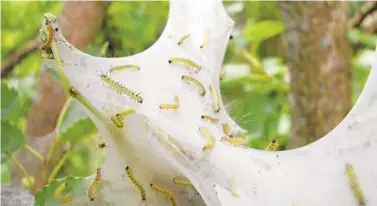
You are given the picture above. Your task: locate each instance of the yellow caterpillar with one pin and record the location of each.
(353, 183)
(205, 39)
(234, 141)
(136, 183)
(93, 185)
(118, 118)
(195, 82)
(181, 182)
(226, 130)
(185, 62)
(124, 67)
(174, 106)
(273, 145)
(210, 119)
(121, 89)
(59, 196)
(215, 99)
(222, 75)
(166, 192)
(181, 40)
(209, 138)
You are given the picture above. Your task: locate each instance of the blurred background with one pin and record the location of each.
(292, 72)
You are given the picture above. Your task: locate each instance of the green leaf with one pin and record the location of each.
(12, 139)
(13, 105)
(79, 129)
(263, 30)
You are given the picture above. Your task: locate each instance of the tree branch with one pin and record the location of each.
(364, 11)
(17, 56)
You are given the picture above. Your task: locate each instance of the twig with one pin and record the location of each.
(26, 174)
(60, 164)
(362, 13)
(34, 152)
(17, 56)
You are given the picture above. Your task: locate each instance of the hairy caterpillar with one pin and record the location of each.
(166, 192)
(234, 141)
(353, 183)
(136, 183)
(59, 196)
(185, 62)
(273, 145)
(181, 40)
(215, 99)
(93, 185)
(226, 130)
(181, 182)
(210, 119)
(118, 118)
(174, 106)
(205, 39)
(195, 82)
(209, 138)
(121, 89)
(124, 67)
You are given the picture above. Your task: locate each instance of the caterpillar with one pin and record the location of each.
(226, 130)
(181, 40)
(209, 138)
(124, 67)
(234, 141)
(174, 106)
(353, 183)
(181, 182)
(210, 119)
(136, 183)
(205, 39)
(273, 145)
(121, 89)
(215, 99)
(118, 118)
(185, 62)
(195, 82)
(59, 196)
(222, 75)
(50, 36)
(166, 192)
(102, 145)
(93, 185)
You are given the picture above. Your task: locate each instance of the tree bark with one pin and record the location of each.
(319, 60)
(79, 22)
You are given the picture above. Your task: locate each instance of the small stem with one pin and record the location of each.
(59, 165)
(22, 168)
(58, 61)
(79, 97)
(34, 152)
(67, 104)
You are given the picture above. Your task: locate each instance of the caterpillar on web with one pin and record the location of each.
(186, 63)
(174, 106)
(215, 99)
(273, 145)
(181, 40)
(168, 193)
(121, 89)
(50, 36)
(234, 141)
(205, 39)
(118, 118)
(93, 185)
(183, 182)
(226, 130)
(353, 183)
(210, 119)
(195, 82)
(58, 193)
(208, 137)
(124, 67)
(136, 183)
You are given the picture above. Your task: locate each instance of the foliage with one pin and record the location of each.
(254, 87)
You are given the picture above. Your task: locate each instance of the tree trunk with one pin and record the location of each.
(319, 60)
(79, 22)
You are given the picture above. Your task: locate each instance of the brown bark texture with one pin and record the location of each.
(318, 56)
(79, 22)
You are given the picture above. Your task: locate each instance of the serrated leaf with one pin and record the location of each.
(263, 30)
(79, 129)
(12, 138)
(13, 105)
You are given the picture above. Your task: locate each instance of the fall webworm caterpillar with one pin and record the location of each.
(93, 185)
(185, 62)
(165, 192)
(174, 106)
(210, 119)
(136, 183)
(121, 89)
(195, 82)
(209, 138)
(215, 99)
